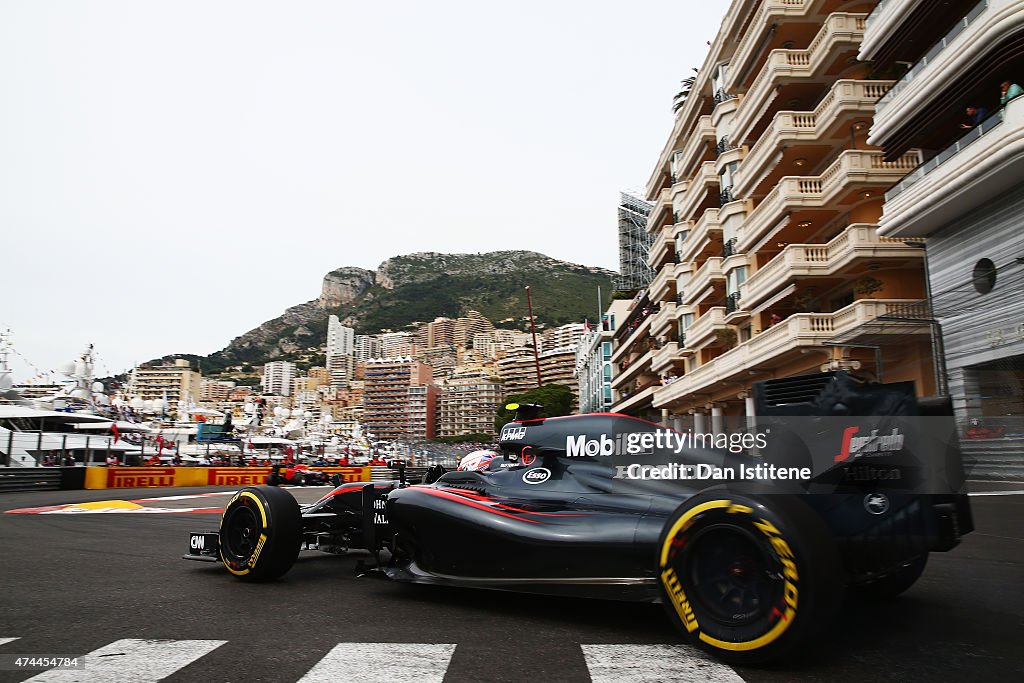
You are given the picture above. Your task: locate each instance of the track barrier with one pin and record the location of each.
(154, 477)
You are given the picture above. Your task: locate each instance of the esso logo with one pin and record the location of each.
(538, 475)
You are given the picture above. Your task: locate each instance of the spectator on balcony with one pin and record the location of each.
(1008, 90)
(774, 320)
(975, 115)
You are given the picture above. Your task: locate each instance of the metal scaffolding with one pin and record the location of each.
(634, 244)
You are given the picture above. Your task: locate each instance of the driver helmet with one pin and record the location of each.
(476, 461)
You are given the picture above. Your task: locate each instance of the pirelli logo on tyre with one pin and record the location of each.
(256, 553)
(247, 499)
(676, 544)
(678, 598)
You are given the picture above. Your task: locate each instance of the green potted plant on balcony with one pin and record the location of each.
(726, 337)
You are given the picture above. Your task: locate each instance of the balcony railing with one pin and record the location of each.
(662, 246)
(698, 237)
(800, 330)
(945, 155)
(860, 240)
(630, 370)
(641, 322)
(708, 273)
(704, 327)
(705, 180)
(722, 96)
(693, 147)
(769, 15)
(851, 168)
(663, 282)
(877, 12)
(845, 99)
(636, 398)
(839, 29)
(936, 50)
(665, 356)
(955, 184)
(725, 196)
(729, 248)
(663, 319)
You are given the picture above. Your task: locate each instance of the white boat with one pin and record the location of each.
(33, 434)
(30, 437)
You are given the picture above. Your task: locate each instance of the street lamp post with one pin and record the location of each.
(533, 330)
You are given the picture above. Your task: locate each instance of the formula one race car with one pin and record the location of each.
(748, 539)
(299, 475)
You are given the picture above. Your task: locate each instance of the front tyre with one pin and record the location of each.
(748, 576)
(260, 533)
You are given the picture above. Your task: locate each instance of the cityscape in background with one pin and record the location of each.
(824, 202)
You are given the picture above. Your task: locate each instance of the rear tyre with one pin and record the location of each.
(748, 576)
(273, 479)
(890, 586)
(299, 480)
(260, 533)
(336, 479)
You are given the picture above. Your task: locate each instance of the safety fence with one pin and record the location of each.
(41, 479)
(148, 477)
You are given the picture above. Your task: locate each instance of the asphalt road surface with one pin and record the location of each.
(113, 586)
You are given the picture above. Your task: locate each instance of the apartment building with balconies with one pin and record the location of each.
(390, 409)
(175, 384)
(965, 201)
(367, 346)
(277, 377)
(422, 412)
(214, 390)
(467, 404)
(767, 198)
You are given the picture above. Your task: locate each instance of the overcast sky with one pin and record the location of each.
(174, 174)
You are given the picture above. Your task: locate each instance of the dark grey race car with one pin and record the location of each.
(746, 567)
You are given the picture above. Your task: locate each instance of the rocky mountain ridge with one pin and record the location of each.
(418, 288)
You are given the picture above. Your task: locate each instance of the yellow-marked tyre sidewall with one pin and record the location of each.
(789, 536)
(278, 536)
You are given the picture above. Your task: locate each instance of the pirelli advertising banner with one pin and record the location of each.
(151, 477)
